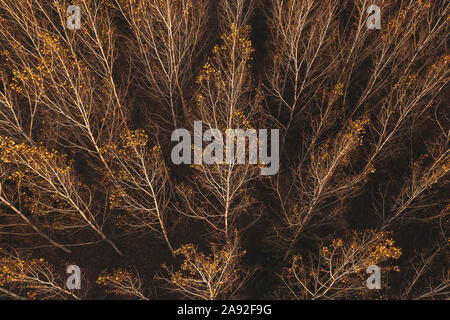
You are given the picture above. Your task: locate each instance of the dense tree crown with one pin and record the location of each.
(92, 90)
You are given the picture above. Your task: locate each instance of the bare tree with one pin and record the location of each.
(339, 271)
(122, 282)
(168, 39)
(22, 277)
(226, 99)
(208, 277)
